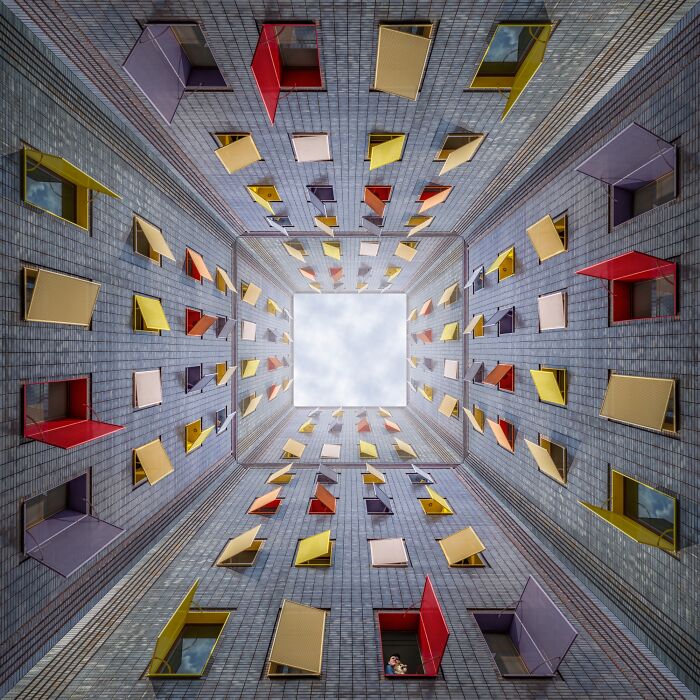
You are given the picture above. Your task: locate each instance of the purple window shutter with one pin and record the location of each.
(540, 631)
(316, 201)
(226, 328)
(380, 495)
(326, 475)
(158, 65)
(473, 370)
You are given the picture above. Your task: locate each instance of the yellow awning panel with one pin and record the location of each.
(413, 361)
(545, 238)
(449, 296)
(307, 427)
(293, 449)
(387, 152)
(286, 338)
(238, 154)
(547, 387)
(528, 67)
(249, 368)
(263, 195)
(320, 222)
(448, 406)
(426, 392)
(450, 331)
(427, 220)
(392, 273)
(631, 528)
(368, 450)
(58, 298)
(505, 260)
(154, 461)
(461, 545)
(293, 252)
(316, 286)
(298, 640)
(281, 476)
(314, 547)
(331, 249)
(413, 315)
(152, 313)
(224, 373)
(155, 238)
(401, 61)
(404, 448)
(250, 293)
(477, 425)
(384, 413)
(273, 307)
(373, 476)
(237, 545)
(500, 436)
(405, 252)
(476, 320)
(545, 462)
(195, 436)
(435, 504)
(223, 281)
(68, 171)
(250, 404)
(463, 154)
(338, 413)
(640, 401)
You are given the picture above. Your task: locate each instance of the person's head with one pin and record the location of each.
(395, 659)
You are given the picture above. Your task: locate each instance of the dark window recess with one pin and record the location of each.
(283, 221)
(50, 192)
(59, 531)
(380, 504)
(650, 508)
(224, 326)
(195, 379)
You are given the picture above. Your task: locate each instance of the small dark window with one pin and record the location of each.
(50, 192)
(650, 507)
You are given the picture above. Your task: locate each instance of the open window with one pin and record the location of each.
(513, 56)
(297, 647)
(419, 477)
(264, 195)
(323, 502)
(237, 151)
(458, 149)
(402, 56)
(273, 363)
(435, 504)
(644, 514)
(476, 281)
(363, 426)
(450, 295)
(151, 463)
(462, 549)
(307, 426)
(281, 476)
(295, 249)
(426, 392)
(451, 369)
(449, 406)
(249, 368)
(293, 449)
(149, 316)
(248, 330)
(186, 643)
(249, 404)
(195, 379)
(286, 58)
(372, 476)
(388, 553)
(149, 241)
(316, 550)
(641, 286)
(418, 223)
(224, 373)
(195, 267)
(552, 311)
(383, 149)
(195, 435)
(223, 281)
(169, 59)
(432, 195)
(450, 331)
(376, 198)
(406, 250)
(504, 320)
(326, 475)
(250, 293)
(404, 450)
(198, 323)
(550, 383)
(326, 224)
(368, 249)
(242, 550)
(504, 432)
(311, 148)
(51, 297)
(550, 458)
(320, 195)
(426, 308)
(380, 503)
(639, 167)
(59, 530)
(368, 450)
(58, 187)
(223, 420)
(373, 224)
(331, 249)
(502, 376)
(549, 237)
(531, 640)
(428, 363)
(418, 637)
(476, 326)
(504, 264)
(60, 413)
(475, 373)
(476, 418)
(267, 504)
(148, 389)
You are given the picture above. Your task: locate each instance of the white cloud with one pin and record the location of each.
(349, 349)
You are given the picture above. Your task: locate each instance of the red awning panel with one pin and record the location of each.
(267, 69)
(70, 432)
(630, 267)
(433, 631)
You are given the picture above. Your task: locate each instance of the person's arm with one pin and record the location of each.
(389, 669)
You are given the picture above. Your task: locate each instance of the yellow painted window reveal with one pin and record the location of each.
(295, 249)
(629, 515)
(297, 647)
(404, 449)
(181, 629)
(51, 297)
(250, 293)
(361, 286)
(224, 373)
(384, 413)
(249, 368)
(450, 295)
(372, 476)
(413, 361)
(450, 331)
(550, 383)
(293, 449)
(149, 315)
(250, 404)
(316, 286)
(316, 550)
(383, 149)
(406, 250)
(272, 307)
(237, 151)
(435, 504)
(449, 406)
(307, 427)
(331, 249)
(549, 237)
(241, 550)
(286, 383)
(476, 326)
(223, 281)
(281, 476)
(368, 450)
(151, 462)
(426, 392)
(476, 418)
(462, 548)
(286, 338)
(195, 436)
(402, 55)
(459, 149)
(263, 195)
(149, 241)
(413, 315)
(337, 413)
(550, 458)
(504, 264)
(418, 223)
(645, 402)
(326, 224)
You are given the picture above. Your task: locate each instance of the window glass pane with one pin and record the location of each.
(654, 194)
(50, 192)
(190, 652)
(508, 48)
(297, 46)
(649, 507)
(47, 504)
(194, 45)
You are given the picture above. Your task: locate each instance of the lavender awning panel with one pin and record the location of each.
(633, 158)
(381, 495)
(473, 370)
(499, 316)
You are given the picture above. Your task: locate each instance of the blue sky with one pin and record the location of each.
(349, 349)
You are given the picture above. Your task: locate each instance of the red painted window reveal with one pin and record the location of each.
(508, 430)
